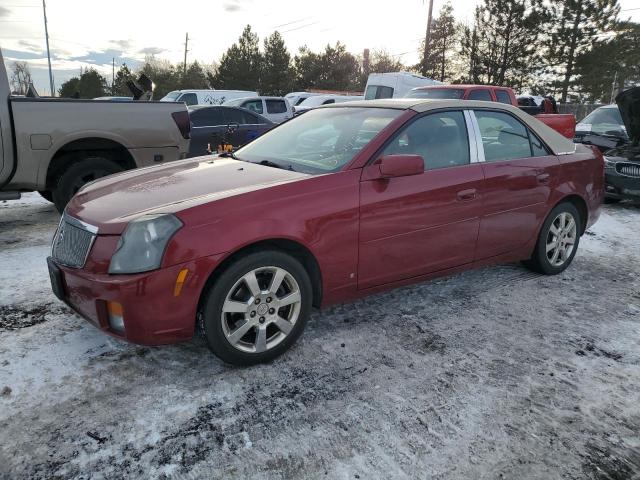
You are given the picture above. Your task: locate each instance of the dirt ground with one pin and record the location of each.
(492, 374)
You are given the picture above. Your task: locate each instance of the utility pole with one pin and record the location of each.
(184, 67)
(46, 35)
(426, 40)
(113, 76)
(613, 87)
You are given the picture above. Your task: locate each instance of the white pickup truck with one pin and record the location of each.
(55, 145)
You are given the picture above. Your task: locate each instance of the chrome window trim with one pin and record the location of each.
(477, 137)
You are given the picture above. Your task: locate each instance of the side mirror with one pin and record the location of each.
(400, 165)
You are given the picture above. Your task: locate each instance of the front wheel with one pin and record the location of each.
(257, 308)
(558, 241)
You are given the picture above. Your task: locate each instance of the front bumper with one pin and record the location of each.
(620, 186)
(153, 314)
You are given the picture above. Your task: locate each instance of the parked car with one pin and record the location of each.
(296, 98)
(604, 122)
(319, 100)
(394, 84)
(205, 97)
(563, 123)
(209, 125)
(622, 163)
(56, 145)
(245, 244)
(276, 109)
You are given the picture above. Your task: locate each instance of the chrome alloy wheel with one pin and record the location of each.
(561, 239)
(261, 309)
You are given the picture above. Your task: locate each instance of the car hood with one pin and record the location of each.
(629, 104)
(112, 202)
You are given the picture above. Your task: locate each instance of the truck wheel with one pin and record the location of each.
(257, 308)
(78, 174)
(46, 194)
(558, 241)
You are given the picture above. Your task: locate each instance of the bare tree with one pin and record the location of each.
(20, 78)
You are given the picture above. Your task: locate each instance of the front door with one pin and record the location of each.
(519, 176)
(410, 226)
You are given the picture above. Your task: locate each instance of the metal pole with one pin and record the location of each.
(46, 35)
(613, 86)
(426, 40)
(113, 75)
(184, 67)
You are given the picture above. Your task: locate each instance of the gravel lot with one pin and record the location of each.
(495, 373)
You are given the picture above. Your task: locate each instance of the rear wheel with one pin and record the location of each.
(257, 308)
(558, 241)
(79, 174)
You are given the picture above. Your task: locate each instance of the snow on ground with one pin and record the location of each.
(494, 373)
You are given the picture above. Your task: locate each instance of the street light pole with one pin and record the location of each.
(46, 35)
(426, 41)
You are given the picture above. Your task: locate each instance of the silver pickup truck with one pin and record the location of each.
(56, 145)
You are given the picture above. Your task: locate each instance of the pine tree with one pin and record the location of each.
(240, 64)
(194, 78)
(442, 42)
(123, 75)
(89, 85)
(576, 24)
(276, 67)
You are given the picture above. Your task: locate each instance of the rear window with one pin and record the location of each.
(378, 91)
(503, 97)
(482, 94)
(276, 106)
(170, 97)
(253, 105)
(446, 93)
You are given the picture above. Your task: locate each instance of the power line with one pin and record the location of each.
(302, 26)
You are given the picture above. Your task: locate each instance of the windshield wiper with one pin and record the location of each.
(228, 155)
(269, 163)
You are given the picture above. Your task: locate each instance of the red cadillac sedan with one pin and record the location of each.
(341, 202)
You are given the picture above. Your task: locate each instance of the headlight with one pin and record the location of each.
(142, 244)
(609, 162)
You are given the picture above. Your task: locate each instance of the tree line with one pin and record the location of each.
(573, 49)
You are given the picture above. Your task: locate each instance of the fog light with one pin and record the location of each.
(116, 318)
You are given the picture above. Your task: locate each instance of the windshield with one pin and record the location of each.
(320, 141)
(605, 120)
(170, 97)
(446, 93)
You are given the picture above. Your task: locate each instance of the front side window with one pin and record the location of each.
(236, 115)
(503, 137)
(320, 141)
(439, 138)
(189, 98)
(481, 94)
(254, 106)
(276, 106)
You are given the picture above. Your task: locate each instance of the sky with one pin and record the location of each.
(90, 33)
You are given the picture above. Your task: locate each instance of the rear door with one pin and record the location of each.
(410, 226)
(277, 110)
(249, 126)
(520, 174)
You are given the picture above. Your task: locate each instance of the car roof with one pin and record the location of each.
(559, 144)
(458, 86)
(194, 108)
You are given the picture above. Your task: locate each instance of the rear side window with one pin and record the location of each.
(538, 148)
(235, 115)
(189, 98)
(254, 106)
(503, 137)
(482, 94)
(503, 97)
(378, 91)
(440, 138)
(276, 106)
(207, 117)
(327, 102)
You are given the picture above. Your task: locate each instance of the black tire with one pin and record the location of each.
(212, 314)
(539, 261)
(610, 200)
(46, 195)
(78, 174)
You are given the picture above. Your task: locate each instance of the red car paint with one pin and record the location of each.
(366, 234)
(565, 124)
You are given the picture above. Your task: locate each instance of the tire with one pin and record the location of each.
(232, 317)
(80, 173)
(611, 200)
(46, 195)
(540, 261)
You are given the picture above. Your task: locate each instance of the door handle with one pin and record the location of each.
(466, 195)
(544, 178)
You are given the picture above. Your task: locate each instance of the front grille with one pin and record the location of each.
(72, 242)
(628, 169)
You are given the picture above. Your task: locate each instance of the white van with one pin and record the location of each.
(394, 84)
(276, 109)
(318, 100)
(205, 97)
